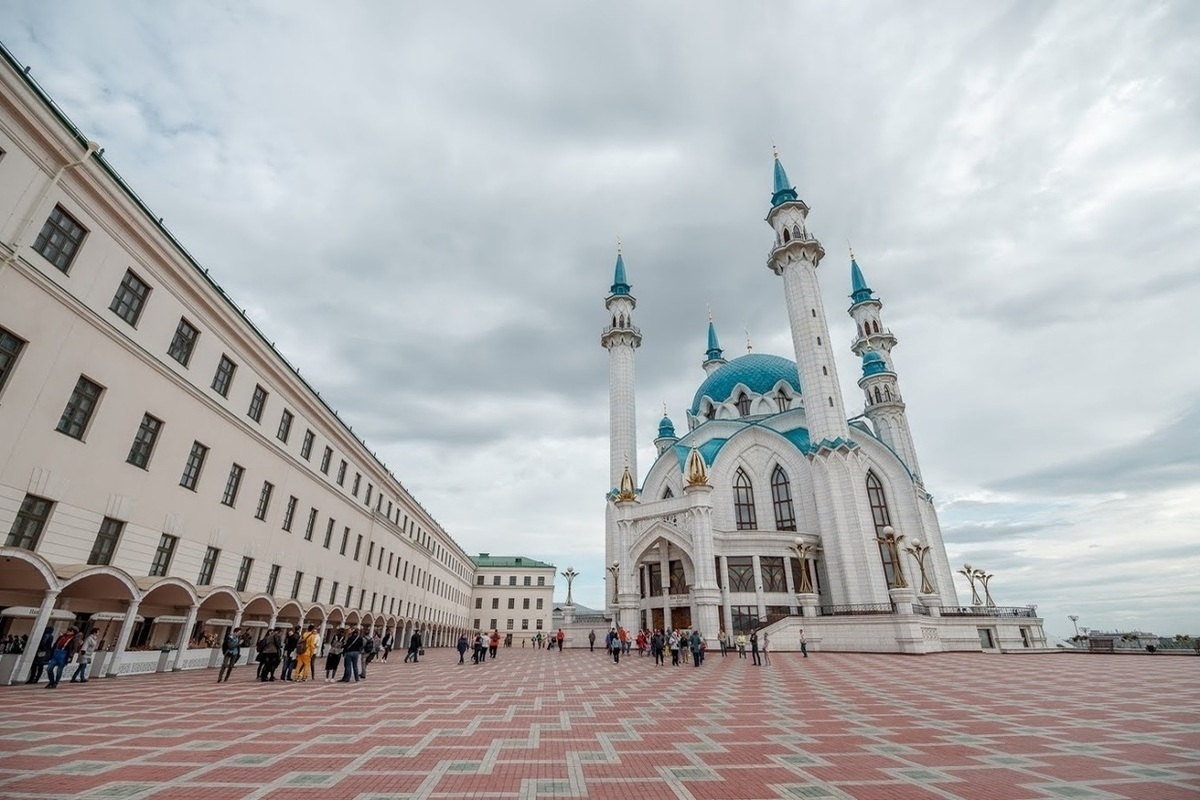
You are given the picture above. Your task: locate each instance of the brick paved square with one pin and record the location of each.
(528, 725)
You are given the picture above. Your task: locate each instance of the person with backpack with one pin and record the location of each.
(368, 654)
(306, 648)
(64, 650)
(231, 649)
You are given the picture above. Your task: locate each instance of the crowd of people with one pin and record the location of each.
(55, 653)
(687, 646)
(295, 653)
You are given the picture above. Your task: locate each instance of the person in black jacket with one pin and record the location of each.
(289, 654)
(272, 652)
(350, 653)
(414, 647)
(41, 657)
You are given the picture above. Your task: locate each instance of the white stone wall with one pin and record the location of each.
(483, 595)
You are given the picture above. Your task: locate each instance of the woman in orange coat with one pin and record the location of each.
(304, 653)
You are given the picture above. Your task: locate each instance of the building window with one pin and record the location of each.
(357, 481)
(509, 625)
(10, 348)
(479, 580)
(163, 555)
(312, 522)
(539, 604)
(741, 574)
(525, 603)
(773, 577)
(30, 522)
(745, 619)
(243, 578)
(232, 484)
(370, 489)
(106, 541)
(345, 540)
(743, 502)
(325, 458)
(257, 403)
(285, 426)
(208, 566)
(349, 595)
(296, 585)
(341, 478)
(306, 447)
(143, 441)
(328, 533)
(358, 547)
(781, 495)
(224, 377)
(264, 500)
(743, 404)
(272, 578)
(781, 400)
(492, 623)
(80, 407)
(882, 519)
(371, 552)
(495, 580)
(59, 239)
(538, 624)
(495, 602)
(183, 342)
(512, 580)
(479, 602)
(316, 590)
(130, 298)
(333, 593)
(541, 580)
(195, 463)
(289, 514)
(524, 624)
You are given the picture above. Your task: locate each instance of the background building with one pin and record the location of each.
(774, 508)
(512, 594)
(164, 472)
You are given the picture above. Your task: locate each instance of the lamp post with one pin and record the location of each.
(892, 540)
(918, 550)
(984, 578)
(971, 573)
(614, 569)
(570, 574)
(1074, 621)
(804, 552)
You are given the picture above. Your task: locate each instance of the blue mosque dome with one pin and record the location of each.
(666, 428)
(873, 363)
(758, 371)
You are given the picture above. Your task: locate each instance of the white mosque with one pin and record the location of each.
(773, 510)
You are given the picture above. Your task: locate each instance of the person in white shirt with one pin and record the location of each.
(86, 654)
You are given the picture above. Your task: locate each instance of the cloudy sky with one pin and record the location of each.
(419, 205)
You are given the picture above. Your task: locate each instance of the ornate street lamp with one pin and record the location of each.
(1074, 621)
(918, 550)
(971, 574)
(892, 540)
(804, 551)
(570, 574)
(984, 577)
(614, 569)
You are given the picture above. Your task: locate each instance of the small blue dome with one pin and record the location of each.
(758, 371)
(666, 428)
(873, 363)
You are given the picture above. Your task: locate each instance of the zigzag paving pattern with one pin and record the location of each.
(540, 724)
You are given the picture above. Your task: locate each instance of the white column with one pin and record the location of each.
(664, 566)
(791, 582)
(25, 660)
(758, 589)
(188, 623)
(727, 610)
(114, 664)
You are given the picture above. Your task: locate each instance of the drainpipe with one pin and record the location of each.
(15, 247)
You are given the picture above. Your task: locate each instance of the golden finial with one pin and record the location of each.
(774, 150)
(851, 249)
(696, 471)
(749, 347)
(626, 490)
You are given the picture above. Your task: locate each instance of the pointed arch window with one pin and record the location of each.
(743, 404)
(782, 400)
(787, 237)
(878, 396)
(882, 518)
(667, 493)
(743, 502)
(781, 496)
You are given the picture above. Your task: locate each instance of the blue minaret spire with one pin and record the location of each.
(860, 292)
(784, 191)
(620, 285)
(714, 357)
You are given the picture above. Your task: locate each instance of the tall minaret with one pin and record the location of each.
(864, 309)
(621, 337)
(714, 356)
(795, 258)
(884, 406)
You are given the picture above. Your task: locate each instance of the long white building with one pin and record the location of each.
(164, 471)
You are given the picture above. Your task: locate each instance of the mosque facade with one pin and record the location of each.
(774, 510)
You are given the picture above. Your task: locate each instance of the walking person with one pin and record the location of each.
(754, 648)
(462, 648)
(86, 653)
(741, 645)
(231, 649)
(387, 643)
(414, 647)
(333, 658)
(592, 641)
(657, 645)
(766, 649)
(290, 642)
(272, 650)
(803, 644)
(41, 657)
(724, 642)
(695, 647)
(614, 645)
(64, 650)
(561, 637)
(493, 644)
